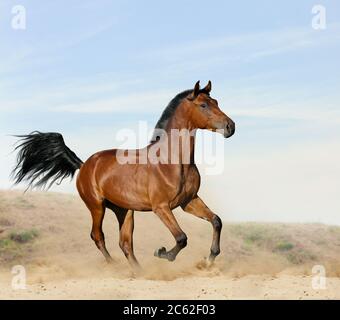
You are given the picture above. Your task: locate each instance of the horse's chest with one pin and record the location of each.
(188, 185)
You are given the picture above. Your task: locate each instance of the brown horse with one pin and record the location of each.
(125, 183)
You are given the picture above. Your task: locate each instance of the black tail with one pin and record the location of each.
(43, 158)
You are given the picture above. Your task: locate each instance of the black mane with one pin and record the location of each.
(169, 111)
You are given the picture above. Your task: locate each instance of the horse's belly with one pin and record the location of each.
(128, 194)
(126, 186)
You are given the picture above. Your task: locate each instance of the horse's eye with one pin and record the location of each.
(204, 105)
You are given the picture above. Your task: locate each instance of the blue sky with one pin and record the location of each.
(89, 68)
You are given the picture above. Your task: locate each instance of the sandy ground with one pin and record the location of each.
(248, 287)
(63, 263)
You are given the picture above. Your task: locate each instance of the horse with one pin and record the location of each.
(105, 181)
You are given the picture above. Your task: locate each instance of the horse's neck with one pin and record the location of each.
(181, 137)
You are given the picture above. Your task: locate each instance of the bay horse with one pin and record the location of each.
(104, 181)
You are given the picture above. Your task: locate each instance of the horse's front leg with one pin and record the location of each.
(168, 218)
(198, 208)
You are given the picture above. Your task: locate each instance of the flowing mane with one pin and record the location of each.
(169, 111)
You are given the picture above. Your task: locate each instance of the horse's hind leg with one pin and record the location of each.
(126, 225)
(97, 235)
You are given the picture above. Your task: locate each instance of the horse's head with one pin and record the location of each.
(205, 112)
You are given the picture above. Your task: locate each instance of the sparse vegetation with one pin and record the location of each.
(16, 244)
(24, 236)
(300, 256)
(283, 239)
(6, 243)
(284, 246)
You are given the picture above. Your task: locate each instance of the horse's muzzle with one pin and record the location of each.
(226, 128)
(229, 129)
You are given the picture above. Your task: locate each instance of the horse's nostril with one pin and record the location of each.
(230, 128)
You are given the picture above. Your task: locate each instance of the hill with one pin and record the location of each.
(48, 233)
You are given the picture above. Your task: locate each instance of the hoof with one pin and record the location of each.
(160, 253)
(163, 254)
(170, 257)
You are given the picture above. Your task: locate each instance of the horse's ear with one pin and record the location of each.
(196, 89)
(195, 92)
(207, 88)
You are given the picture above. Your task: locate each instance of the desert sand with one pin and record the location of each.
(48, 234)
